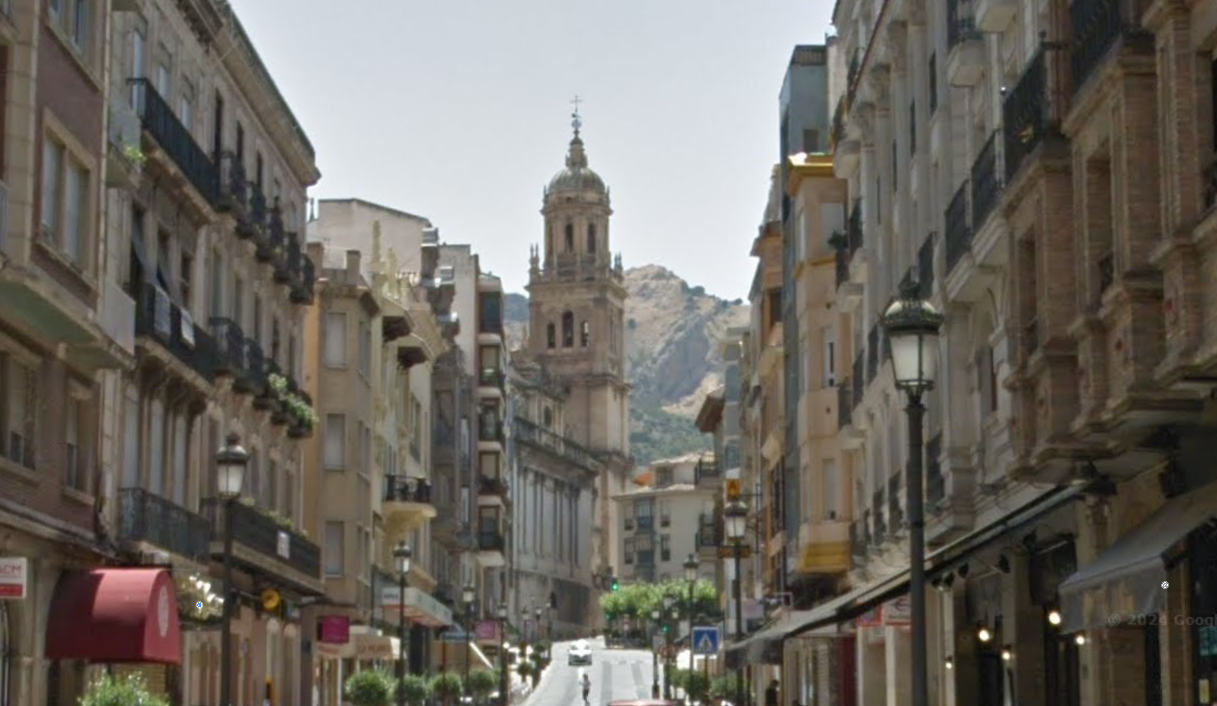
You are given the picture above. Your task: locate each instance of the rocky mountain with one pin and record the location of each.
(672, 336)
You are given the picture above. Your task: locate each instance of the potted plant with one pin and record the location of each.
(482, 683)
(445, 685)
(371, 687)
(109, 690)
(416, 689)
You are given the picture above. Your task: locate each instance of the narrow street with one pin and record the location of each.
(615, 674)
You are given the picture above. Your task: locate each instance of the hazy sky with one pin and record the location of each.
(459, 110)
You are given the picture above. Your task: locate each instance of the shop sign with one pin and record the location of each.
(334, 629)
(898, 611)
(376, 647)
(14, 575)
(487, 631)
(872, 618)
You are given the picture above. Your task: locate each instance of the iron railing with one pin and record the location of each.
(490, 540)
(158, 318)
(174, 138)
(146, 517)
(986, 182)
(527, 432)
(1096, 26)
(233, 188)
(961, 23)
(1025, 115)
(492, 485)
(958, 230)
(403, 489)
(263, 534)
(230, 346)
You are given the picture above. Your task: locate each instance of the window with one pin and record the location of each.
(238, 301)
(185, 106)
(163, 72)
(185, 276)
(365, 347)
(550, 336)
(335, 339)
(644, 513)
(585, 335)
(644, 545)
(156, 449)
(289, 496)
(629, 550)
(830, 357)
(489, 465)
(335, 441)
(568, 329)
(75, 19)
(591, 238)
(665, 518)
(570, 237)
(832, 489)
(665, 547)
(334, 562)
(65, 201)
(663, 477)
(139, 57)
(490, 308)
(21, 409)
(74, 462)
(365, 450)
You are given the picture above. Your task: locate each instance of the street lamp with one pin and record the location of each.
(912, 325)
(654, 656)
(691, 576)
(668, 601)
(231, 460)
(735, 517)
(467, 596)
(504, 685)
(402, 556)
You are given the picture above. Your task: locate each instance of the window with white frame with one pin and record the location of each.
(65, 201)
(335, 441)
(334, 559)
(335, 339)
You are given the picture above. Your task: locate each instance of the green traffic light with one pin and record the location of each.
(616, 585)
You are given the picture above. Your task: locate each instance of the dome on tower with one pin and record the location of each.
(577, 177)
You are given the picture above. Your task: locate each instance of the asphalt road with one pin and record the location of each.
(615, 674)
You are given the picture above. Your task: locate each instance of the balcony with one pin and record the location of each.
(1097, 24)
(491, 548)
(490, 429)
(1024, 115)
(232, 193)
(537, 437)
(302, 286)
(709, 535)
(491, 377)
(994, 15)
(966, 60)
(491, 489)
(407, 504)
(986, 183)
(174, 140)
(267, 546)
(706, 471)
(186, 347)
(958, 230)
(148, 519)
(827, 545)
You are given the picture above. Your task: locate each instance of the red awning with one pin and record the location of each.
(115, 615)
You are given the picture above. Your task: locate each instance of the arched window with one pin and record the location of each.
(568, 330)
(570, 237)
(591, 237)
(551, 335)
(585, 335)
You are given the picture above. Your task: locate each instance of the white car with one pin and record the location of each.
(579, 653)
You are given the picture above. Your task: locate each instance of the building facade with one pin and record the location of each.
(576, 333)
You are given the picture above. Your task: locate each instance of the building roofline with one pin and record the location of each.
(379, 207)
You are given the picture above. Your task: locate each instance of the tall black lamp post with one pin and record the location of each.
(691, 567)
(912, 325)
(668, 601)
(231, 460)
(504, 682)
(735, 517)
(402, 556)
(467, 596)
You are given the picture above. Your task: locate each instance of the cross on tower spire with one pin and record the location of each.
(575, 121)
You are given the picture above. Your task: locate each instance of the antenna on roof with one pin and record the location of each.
(575, 121)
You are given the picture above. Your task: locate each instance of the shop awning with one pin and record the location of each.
(1126, 579)
(114, 615)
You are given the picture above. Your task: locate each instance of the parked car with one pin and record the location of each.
(579, 653)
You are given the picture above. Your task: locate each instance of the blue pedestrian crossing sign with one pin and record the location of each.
(705, 640)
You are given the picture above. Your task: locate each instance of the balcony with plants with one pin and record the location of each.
(145, 518)
(288, 404)
(267, 544)
(173, 148)
(407, 503)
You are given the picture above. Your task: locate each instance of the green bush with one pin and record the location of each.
(524, 668)
(695, 683)
(371, 687)
(417, 689)
(446, 684)
(482, 682)
(726, 686)
(127, 691)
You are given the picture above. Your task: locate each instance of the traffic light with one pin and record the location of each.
(615, 585)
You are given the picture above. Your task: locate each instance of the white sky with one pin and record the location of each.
(459, 111)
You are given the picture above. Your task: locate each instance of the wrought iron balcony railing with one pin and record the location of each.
(959, 230)
(986, 182)
(261, 533)
(527, 432)
(171, 135)
(403, 489)
(146, 517)
(961, 24)
(1096, 26)
(158, 318)
(490, 541)
(233, 187)
(1025, 115)
(492, 485)
(230, 346)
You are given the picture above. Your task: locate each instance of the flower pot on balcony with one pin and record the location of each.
(267, 402)
(299, 431)
(280, 417)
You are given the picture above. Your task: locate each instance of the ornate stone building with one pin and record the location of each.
(577, 303)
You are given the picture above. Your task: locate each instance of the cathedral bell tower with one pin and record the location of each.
(577, 298)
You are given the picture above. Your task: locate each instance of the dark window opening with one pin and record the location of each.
(551, 336)
(570, 238)
(591, 237)
(568, 330)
